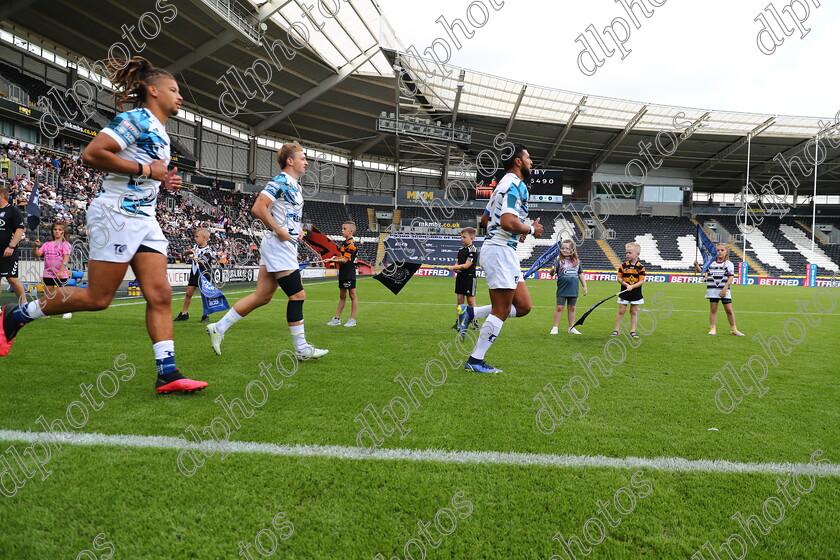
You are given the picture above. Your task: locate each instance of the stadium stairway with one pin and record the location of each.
(609, 253)
(802, 242)
(818, 235)
(760, 270)
(754, 266)
(380, 253)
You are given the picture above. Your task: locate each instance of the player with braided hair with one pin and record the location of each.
(135, 151)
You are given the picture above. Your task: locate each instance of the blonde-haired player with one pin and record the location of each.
(280, 208)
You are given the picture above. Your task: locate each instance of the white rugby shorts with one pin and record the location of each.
(115, 237)
(501, 267)
(276, 255)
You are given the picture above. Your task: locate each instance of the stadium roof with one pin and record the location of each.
(331, 90)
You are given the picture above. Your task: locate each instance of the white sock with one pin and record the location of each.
(482, 312)
(33, 309)
(228, 321)
(164, 349)
(298, 337)
(489, 331)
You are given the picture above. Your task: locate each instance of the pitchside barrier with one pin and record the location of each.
(31, 271)
(664, 277)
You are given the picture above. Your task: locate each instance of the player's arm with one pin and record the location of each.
(261, 212)
(16, 237)
(582, 279)
(65, 265)
(510, 220)
(513, 224)
(459, 267)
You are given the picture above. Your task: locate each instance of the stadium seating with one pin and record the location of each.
(666, 243)
(780, 245)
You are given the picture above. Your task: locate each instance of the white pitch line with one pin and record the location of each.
(670, 464)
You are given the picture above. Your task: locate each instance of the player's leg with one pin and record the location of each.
(460, 299)
(521, 304)
(187, 301)
(571, 311)
(342, 301)
(558, 313)
(472, 304)
(634, 317)
(501, 301)
(622, 309)
(354, 303)
(266, 286)
(713, 309)
(17, 288)
(292, 285)
(50, 290)
(730, 316)
(56, 285)
(104, 279)
(150, 269)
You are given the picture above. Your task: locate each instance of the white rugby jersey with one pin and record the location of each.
(287, 203)
(143, 139)
(509, 197)
(718, 273)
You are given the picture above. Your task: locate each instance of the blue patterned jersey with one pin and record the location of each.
(143, 139)
(287, 203)
(509, 197)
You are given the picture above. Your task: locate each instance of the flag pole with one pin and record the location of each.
(696, 246)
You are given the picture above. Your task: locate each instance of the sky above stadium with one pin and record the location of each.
(702, 54)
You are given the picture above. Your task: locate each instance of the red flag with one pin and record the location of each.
(321, 244)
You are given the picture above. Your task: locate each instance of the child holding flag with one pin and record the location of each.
(202, 257)
(569, 272)
(720, 274)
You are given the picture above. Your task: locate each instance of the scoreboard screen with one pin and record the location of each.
(544, 183)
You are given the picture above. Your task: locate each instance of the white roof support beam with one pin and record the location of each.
(613, 144)
(444, 176)
(370, 143)
(203, 51)
(562, 135)
(515, 110)
(726, 152)
(270, 8)
(318, 90)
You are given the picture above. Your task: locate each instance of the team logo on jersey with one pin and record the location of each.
(119, 248)
(2, 222)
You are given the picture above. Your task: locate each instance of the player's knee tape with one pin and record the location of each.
(294, 311)
(291, 284)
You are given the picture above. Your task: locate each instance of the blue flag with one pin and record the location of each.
(544, 259)
(706, 248)
(33, 208)
(212, 299)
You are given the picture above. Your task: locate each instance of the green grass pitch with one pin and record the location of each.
(658, 401)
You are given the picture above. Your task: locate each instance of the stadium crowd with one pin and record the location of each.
(66, 186)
